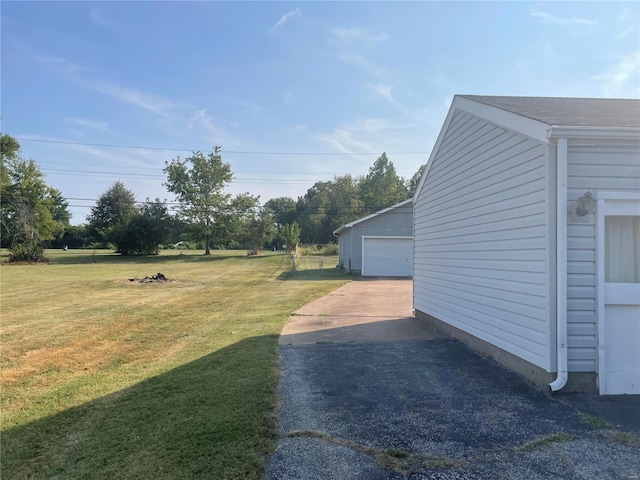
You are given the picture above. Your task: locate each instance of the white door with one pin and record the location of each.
(387, 256)
(619, 294)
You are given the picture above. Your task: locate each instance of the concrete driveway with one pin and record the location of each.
(369, 392)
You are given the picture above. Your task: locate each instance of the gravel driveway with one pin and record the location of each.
(368, 392)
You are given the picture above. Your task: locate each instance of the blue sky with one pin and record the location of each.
(294, 93)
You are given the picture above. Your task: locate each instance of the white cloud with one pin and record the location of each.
(362, 62)
(59, 63)
(285, 18)
(621, 79)
(96, 16)
(383, 91)
(342, 35)
(204, 126)
(99, 125)
(286, 98)
(545, 17)
(146, 101)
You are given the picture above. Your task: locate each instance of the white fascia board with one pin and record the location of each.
(617, 133)
(512, 121)
(364, 219)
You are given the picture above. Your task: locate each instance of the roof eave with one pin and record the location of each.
(567, 131)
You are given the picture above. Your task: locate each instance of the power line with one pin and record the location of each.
(239, 152)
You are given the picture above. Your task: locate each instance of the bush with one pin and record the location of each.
(29, 252)
(328, 249)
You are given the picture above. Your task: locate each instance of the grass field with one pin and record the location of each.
(107, 378)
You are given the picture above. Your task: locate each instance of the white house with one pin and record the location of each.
(380, 244)
(527, 237)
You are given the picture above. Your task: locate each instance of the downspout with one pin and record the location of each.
(561, 266)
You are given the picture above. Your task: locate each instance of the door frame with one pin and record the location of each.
(609, 203)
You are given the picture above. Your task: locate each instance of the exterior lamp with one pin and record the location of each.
(586, 204)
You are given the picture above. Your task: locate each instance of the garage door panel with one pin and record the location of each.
(387, 257)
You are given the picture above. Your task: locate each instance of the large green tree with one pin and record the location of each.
(32, 211)
(145, 231)
(112, 212)
(283, 209)
(326, 206)
(198, 183)
(382, 187)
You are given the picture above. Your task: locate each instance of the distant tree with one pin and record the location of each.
(198, 183)
(112, 212)
(145, 231)
(260, 231)
(283, 209)
(412, 184)
(382, 187)
(73, 236)
(290, 235)
(326, 206)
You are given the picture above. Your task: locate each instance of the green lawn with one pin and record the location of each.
(107, 378)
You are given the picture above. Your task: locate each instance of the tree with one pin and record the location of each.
(382, 187)
(32, 212)
(198, 183)
(412, 184)
(145, 231)
(290, 235)
(283, 209)
(112, 212)
(261, 230)
(326, 206)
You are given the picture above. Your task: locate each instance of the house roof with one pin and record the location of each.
(363, 219)
(570, 112)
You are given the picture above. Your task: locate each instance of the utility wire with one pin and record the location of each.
(240, 152)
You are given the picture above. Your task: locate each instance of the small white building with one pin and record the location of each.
(379, 245)
(527, 237)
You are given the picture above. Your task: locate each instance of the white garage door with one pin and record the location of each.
(387, 256)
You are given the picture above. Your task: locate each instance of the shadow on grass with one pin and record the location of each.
(211, 418)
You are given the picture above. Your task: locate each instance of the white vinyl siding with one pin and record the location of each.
(591, 168)
(481, 229)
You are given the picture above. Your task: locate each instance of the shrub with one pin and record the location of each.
(27, 252)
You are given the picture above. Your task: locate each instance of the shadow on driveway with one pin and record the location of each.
(375, 404)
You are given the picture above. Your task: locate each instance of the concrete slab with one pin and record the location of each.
(363, 310)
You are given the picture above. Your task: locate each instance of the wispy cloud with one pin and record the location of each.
(285, 18)
(97, 17)
(204, 126)
(144, 100)
(545, 17)
(59, 63)
(98, 125)
(362, 62)
(340, 35)
(621, 79)
(286, 98)
(628, 25)
(363, 135)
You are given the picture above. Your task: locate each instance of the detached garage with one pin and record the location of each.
(379, 245)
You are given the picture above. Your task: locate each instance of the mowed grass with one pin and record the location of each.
(106, 378)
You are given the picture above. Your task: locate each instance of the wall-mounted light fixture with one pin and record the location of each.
(586, 204)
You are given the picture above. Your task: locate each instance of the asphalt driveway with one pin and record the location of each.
(369, 392)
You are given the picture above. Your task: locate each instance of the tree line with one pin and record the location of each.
(203, 215)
